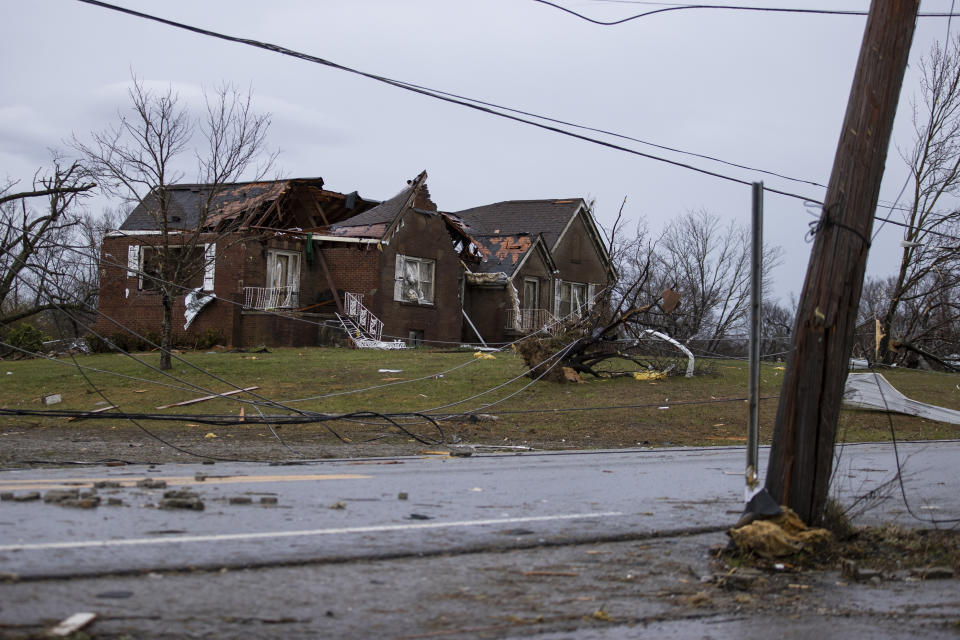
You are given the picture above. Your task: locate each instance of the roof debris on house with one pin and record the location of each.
(247, 205)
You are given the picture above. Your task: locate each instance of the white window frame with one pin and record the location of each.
(414, 280)
(141, 254)
(576, 295)
(292, 279)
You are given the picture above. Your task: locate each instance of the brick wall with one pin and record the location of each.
(123, 304)
(421, 236)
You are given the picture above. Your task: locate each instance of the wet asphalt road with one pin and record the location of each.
(486, 546)
(353, 509)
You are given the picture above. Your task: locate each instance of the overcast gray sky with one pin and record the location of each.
(761, 89)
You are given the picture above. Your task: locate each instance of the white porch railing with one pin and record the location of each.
(529, 320)
(363, 328)
(267, 298)
(369, 323)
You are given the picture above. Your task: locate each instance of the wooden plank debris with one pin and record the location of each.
(72, 624)
(205, 398)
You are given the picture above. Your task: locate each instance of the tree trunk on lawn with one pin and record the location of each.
(166, 328)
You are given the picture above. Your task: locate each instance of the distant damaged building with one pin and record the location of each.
(290, 263)
(540, 260)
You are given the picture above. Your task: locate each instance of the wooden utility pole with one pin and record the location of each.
(801, 458)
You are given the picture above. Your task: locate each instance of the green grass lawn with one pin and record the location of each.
(325, 379)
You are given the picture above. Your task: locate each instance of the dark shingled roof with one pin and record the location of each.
(376, 222)
(188, 200)
(383, 213)
(513, 217)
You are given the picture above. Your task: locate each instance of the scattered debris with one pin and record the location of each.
(59, 495)
(181, 499)
(114, 502)
(461, 452)
(649, 375)
(418, 516)
(53, 398)
(873, 391)
(151, 483)
(402, 495)
(29, 496)
(741, 579)
(210, 435)
(107, 484)
(339, 504)
(480, 355)
(562, 574)
(934, 573)
(240, 500)
(389, 370)
(268, 500)
(72, 624)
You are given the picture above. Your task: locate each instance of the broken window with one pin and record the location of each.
(413, 280)
(283, 279)
(572, 298)
(183, 267)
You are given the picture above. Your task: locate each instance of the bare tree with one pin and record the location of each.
(141, 156)
(708, 264)
(776, 329)
(919, 305)
(35, 267)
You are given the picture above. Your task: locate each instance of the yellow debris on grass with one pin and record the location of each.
(480, 355)
(649, 375)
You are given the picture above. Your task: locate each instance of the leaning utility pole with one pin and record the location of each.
(801, 458)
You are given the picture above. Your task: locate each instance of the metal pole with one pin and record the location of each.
(756, 280)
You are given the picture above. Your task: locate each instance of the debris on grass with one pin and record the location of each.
(205, 398)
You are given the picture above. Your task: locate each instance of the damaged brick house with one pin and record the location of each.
(286, 259)
(275, 251)
(540, 260)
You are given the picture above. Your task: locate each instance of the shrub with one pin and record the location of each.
(27, 337)
(207, 339)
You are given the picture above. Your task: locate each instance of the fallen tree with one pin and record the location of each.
(601, 344)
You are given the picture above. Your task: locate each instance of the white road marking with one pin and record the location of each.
(223, 537)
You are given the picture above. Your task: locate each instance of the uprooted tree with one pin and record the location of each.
(142, 155)
(688, 286)
(612, 328)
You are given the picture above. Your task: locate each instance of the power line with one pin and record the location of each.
(465, 102)
(683, 7)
